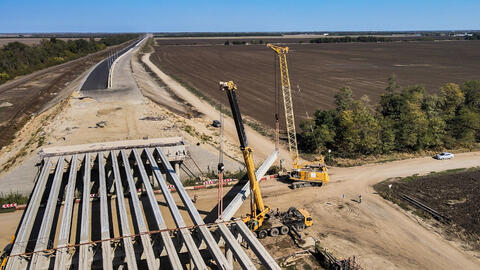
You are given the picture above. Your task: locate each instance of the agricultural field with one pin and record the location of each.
(33, 41)
(318, 69)
(453, 194)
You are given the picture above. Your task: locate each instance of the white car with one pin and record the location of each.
(444, 155)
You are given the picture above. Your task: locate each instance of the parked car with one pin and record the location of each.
(216, 123)
(443, 155)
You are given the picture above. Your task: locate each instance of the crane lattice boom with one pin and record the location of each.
(287, 101)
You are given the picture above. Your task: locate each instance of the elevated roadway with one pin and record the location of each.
(98, 77)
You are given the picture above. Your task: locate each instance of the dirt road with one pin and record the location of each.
(378, 233)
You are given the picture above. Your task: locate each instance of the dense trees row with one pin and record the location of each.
(18, 59)
(350, 39)
(406, 120)
(474, 36)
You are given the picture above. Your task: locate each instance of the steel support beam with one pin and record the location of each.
(212, 246)
(60, 260)
(38, 260)
(29, 215)
(142, 227)
(243, 194)
(177, 217)
(85, 223)
(127, 241)
(107, 259)
(267, 261)
(167, 240)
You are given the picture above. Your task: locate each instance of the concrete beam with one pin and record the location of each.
(122, 210)
(171, 144)
(235, 247)
(167, 240)
(212, 246)
(38, 260)
(29, 215)
(60, 260)
(84, 257)
(142, 227)
(243, 194)
(267, 261)
(177, 217)
(107, 258)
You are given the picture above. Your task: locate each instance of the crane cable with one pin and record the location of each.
(220, 168)
(308, 117)
(304, 105)
(277, 125)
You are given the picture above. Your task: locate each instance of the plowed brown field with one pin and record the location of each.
(452, 194)
(319, 69)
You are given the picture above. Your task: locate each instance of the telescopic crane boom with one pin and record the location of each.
(261, 218)
(258, 208)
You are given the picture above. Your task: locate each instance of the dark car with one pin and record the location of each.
(216, 123)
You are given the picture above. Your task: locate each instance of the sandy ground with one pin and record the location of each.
(381, 235)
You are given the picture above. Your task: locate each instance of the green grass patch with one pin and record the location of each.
(13, 197)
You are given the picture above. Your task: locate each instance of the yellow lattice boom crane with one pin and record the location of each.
(302, 174)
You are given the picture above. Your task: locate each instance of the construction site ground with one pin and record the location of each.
(379, 233)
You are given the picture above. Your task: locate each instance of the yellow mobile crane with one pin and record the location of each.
(308, 174)
(262, 220)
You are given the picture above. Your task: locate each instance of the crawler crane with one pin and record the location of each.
(261, 219)
(308, 174)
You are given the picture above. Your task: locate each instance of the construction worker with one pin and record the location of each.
(359, 198)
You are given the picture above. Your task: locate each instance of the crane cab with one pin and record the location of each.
(309, 175)
(307, 217)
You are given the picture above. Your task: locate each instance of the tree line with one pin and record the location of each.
(405, 120)
(474, 36)
(19, 59)
(350, 39)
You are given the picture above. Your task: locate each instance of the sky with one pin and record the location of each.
(236, 16)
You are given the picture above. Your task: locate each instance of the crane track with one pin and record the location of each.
(437, 215)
